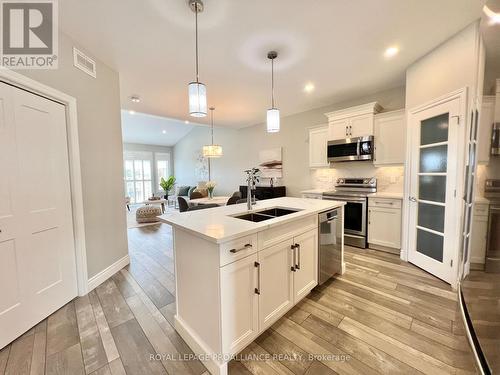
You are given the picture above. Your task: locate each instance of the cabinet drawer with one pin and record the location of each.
(237, 249)
(481, 209)
(287, 230)
(384, 202)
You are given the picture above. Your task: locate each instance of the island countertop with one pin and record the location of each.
(217, 224)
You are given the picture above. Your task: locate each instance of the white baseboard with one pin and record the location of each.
(106, 273)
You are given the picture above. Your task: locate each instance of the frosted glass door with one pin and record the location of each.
(433, 159)
(433, 179)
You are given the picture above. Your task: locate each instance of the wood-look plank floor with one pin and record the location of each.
(383, 316)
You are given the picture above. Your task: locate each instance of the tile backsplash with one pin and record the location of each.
(389, 179)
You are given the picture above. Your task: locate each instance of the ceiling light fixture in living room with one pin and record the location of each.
(211, 150)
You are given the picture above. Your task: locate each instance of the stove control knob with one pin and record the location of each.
(340, 181)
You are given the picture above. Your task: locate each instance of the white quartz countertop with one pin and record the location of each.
(386, 194)
(313, 191)
(217, 225)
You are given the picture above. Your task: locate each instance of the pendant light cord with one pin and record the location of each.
(212, 126)
(272, 83)
(196, 39)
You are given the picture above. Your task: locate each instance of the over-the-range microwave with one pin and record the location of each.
(350, 149)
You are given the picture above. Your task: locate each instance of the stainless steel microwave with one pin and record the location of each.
(350, 149)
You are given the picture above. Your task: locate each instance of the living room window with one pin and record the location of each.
(138, 182)
(162, 167)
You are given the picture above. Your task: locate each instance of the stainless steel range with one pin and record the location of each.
(354, 191)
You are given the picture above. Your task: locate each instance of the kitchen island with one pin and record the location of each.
(238, 271)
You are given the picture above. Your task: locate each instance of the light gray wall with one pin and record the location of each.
(241, 146)
(153, 149)
(449, 67)
(99, 130)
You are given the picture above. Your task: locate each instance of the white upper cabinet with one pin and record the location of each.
(318, 138)
(486, 120)
(390, 142)
(352, 122)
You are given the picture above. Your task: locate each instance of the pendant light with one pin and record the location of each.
(197, 90)
(273, 114)
(211, 150)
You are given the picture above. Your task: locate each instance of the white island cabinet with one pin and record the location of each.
(235, 278)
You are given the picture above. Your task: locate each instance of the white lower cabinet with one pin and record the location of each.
(479, 233)
(259, 289)
(275, 282)
(240, 308)
(384, 222)
(305, 276)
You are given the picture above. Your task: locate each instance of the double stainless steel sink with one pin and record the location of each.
(266, 214)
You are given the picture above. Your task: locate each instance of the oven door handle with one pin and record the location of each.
(345, 199)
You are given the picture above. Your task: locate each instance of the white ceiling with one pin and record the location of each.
(336, 44)
(152, 130)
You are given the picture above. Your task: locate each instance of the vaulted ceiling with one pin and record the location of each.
(337, 45)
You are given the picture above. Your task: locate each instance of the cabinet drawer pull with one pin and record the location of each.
(247, 246)
(257, 290)
(380, 202)
(293, 257)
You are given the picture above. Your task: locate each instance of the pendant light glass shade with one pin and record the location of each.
(197, 99)
(273, 120)
(212, 151)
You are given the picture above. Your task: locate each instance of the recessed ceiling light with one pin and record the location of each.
(186, 122)
(164, 131)
(135, 99)
(391, 51)
(309, 87)
(493, 16)
(131, 112)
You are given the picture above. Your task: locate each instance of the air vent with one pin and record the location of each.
(83, 62)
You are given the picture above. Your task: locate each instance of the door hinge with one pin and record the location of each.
(451, 263)
(455, 193)
(458, 119)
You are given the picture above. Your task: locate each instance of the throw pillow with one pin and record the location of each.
(183, 191)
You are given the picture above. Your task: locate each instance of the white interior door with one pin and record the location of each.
(37, 253)
(433, 209)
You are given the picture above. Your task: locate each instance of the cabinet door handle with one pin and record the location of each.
(297, 266)
(257, 290)
(412, 199)
(350, 130)
(247, 246)
(346, 130)
(369, 216)
(292, 268)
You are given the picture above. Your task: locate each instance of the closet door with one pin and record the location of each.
(37, 252)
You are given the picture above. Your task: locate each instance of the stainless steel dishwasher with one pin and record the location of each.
(330, 241)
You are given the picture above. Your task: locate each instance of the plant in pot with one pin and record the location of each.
(210, 185)
(167, 185)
